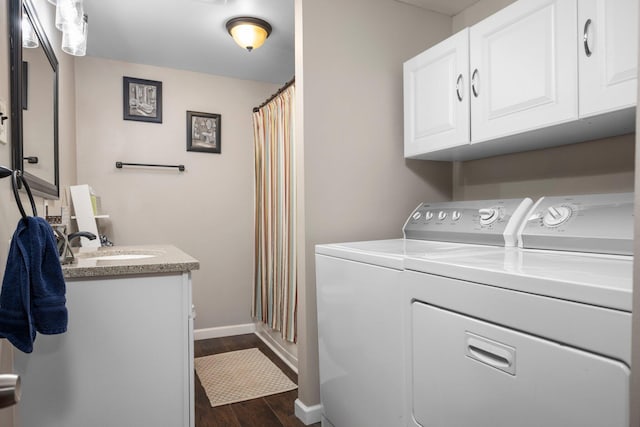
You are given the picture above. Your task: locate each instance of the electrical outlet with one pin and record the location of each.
(4, 121)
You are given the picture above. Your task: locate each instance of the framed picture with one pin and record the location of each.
(203, 132)
(142, 100)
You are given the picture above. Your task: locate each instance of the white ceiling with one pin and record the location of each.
(191, 34)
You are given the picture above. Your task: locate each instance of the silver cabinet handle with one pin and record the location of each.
(585, 38)
(459, 87)
(9, 390)
(474, 83)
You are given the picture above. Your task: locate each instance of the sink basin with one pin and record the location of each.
(117, 254)
(121, 257)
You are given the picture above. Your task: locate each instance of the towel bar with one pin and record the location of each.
(179, 167)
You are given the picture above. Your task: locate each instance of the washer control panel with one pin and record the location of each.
(598, 223)
(486, 222)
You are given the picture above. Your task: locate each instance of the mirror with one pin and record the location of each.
(34, 102)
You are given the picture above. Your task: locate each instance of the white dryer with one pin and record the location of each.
(361, 317)
(533, 336)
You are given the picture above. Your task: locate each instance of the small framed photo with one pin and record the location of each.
(203, 132)
(142, 100)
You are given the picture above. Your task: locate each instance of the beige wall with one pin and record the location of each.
(207, 210)
(8, 211)
(590, 167)
(602, 166)
(357, 184)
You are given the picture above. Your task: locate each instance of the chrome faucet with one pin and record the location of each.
(63, 241)
(77, 234)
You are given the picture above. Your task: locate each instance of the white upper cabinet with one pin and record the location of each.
(538, 73)
(608, 46)
(523, 63)
(436, 98)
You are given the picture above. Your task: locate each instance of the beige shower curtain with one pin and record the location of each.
(275, 274)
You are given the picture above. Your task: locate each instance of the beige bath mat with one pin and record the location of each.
(240, 375)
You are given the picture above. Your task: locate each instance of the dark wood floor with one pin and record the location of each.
(270, 411)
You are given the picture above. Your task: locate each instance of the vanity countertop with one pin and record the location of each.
(128, 260)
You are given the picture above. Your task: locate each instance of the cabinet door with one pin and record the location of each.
(608, 55)
(125, 360)
(523, 63)
(436, 97)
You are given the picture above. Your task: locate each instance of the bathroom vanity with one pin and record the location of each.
(127, 357)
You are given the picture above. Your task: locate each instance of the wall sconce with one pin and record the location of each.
(72, 21)
(74, 38)
(249, 33)
(68, 12)
(29, 37)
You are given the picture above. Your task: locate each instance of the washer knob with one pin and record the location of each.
(488, 216)
(556, 215)
(416, 216)
(456, 215)
(442, 215)
(428, 215)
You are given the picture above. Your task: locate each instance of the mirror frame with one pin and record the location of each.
(38, 185)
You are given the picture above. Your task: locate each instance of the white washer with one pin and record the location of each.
(361, 320)
(532, 336)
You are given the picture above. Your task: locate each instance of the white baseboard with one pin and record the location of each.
(308, 414)
(286, 356)
(224, 331)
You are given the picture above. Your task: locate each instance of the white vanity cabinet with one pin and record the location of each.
(436, 97)
(530, 83)
(523, 63)
(126, 359)
(607, 52)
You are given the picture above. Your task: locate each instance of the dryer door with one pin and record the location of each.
(467, 372)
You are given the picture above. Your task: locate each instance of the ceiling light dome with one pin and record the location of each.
(250, 33)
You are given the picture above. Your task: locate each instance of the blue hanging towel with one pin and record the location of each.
(33, 289)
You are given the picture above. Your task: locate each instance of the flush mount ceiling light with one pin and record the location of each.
(249, 33)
